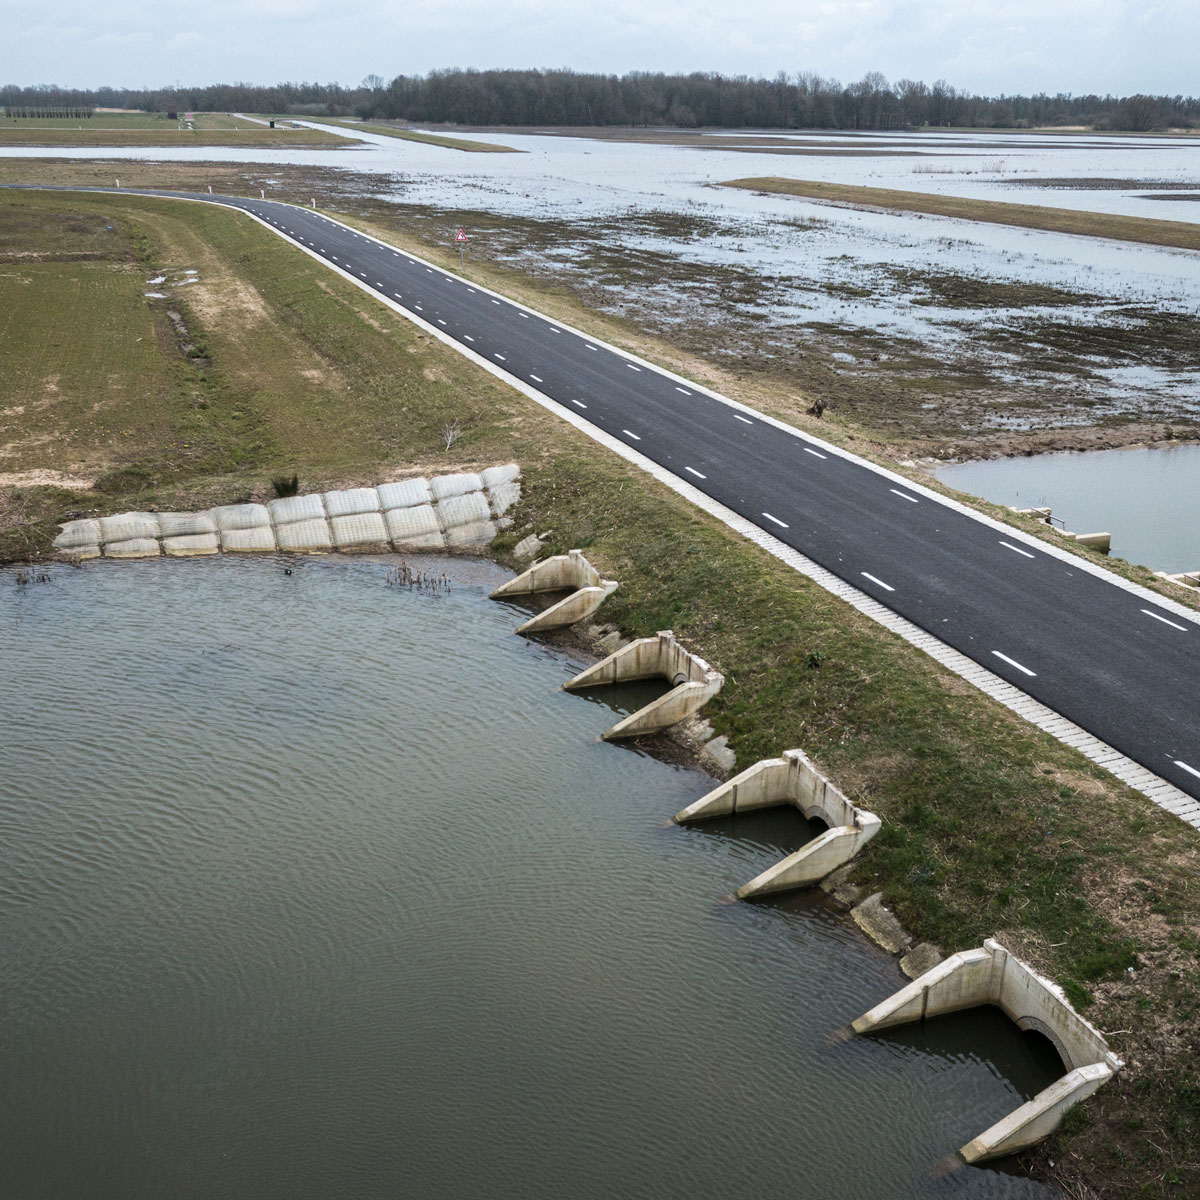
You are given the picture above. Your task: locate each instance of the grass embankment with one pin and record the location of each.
(430, 139)
(1180, 235)
(273, 365)
(153, 129)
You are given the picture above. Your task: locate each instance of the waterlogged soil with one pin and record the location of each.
(934, 363)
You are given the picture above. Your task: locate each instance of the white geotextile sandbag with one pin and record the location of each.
(405, 494)
(125, 527)
(464, 510)
(405, 523)
(503, 496)
(259, 540)
(493, 477)
(296, 508)
(299, 537)
(423, 541)
(78, 535)
(479, 533)
(240, 516)
(445, 486)
(351, 502)
(184, 524)
(362, 529)
(132, 548)
(191, 543)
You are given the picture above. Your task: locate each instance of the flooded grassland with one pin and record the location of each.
(944, 337)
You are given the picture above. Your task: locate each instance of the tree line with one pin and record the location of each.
(698, 100)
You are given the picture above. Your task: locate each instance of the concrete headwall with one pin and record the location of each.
(559, 573)
(1100, 542)
(991, 975)
(660, 656)
(792, 779)
(461, 511)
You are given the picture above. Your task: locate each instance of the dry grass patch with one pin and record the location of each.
(1181, 235)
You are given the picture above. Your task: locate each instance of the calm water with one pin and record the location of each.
(1149, 500)
(311, 887)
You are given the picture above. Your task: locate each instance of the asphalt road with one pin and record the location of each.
(1123, 668)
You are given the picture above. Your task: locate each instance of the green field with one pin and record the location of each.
(153, 129)
(269, 364)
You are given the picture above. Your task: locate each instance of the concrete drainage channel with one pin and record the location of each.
(971, 978)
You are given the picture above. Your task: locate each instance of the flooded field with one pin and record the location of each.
(923, 329)
(313, 886)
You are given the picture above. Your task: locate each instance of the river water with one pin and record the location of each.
(312, 886)
(1149, 500)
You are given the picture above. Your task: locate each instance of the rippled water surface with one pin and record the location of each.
(313, 887)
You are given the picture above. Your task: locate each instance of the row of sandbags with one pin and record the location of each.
(461, 511)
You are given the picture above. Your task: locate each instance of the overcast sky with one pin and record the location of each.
(985, 46)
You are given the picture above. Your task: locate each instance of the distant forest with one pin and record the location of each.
(804, 101)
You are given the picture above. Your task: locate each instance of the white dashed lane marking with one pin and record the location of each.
(632, 367)
(1012, 662)
(744, 420)
(1158, 617)
(904, 495)
(1015, 549)
(874, 579)
(1191, 770)
(630, 433)
(536, 378)
(684, 391)
(693, 471)
(781, 524)
(580, 403)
